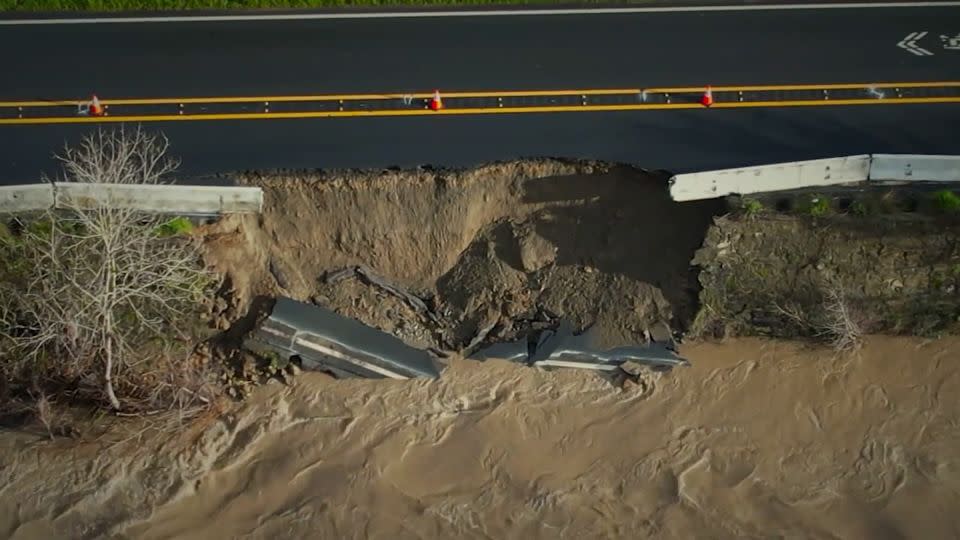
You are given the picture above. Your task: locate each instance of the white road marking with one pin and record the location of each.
(910, 44)
(439, 14)
(951, 43)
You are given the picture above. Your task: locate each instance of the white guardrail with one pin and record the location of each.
(26, 198)
(162, 198)
(914, 168)
(814, 173)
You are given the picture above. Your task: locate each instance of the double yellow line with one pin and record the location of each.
(18, 112)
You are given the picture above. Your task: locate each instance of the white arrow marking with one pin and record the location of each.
(910, 44)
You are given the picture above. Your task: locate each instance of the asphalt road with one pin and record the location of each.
(680, 141)
(525, 52)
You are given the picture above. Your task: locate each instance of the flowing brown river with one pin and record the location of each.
(757, 439)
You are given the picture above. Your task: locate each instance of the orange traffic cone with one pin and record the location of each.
(435, 102)
(96, 109)
(707, 99)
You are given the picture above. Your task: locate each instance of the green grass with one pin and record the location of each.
(946, 201)
(859, 209)
(818, 206)
(174, 227)
(167, 5)
(751, 207)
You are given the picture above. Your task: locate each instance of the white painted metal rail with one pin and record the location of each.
(26, 198)
(913, 167)
(166, 198)
(764, 178)
(814, 173)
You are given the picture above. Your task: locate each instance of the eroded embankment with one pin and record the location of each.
(787, 276)
(598, 244)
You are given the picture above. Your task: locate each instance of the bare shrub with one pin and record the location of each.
(793, 313)
(840, 325)
(833, 318)
(98, 300)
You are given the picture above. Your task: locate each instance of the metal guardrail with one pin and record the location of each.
(914, 168)
(163, 198)
(765, 178)
(815, 173)
(26, 198)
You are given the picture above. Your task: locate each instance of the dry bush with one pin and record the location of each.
(835, 319)
(98, 304)
(840, 324)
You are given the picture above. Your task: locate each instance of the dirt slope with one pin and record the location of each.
(602, 245)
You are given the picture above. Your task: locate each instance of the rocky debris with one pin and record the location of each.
(279, 275)
(369, 277)
(482, 334)
(632, 368)
(536, 252)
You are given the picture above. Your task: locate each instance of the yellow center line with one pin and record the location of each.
(471, 111)
(793, 87)
(328, 97)
(834, 102)
(481, 94)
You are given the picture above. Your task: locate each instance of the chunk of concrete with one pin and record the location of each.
(560, 348)
(327, 341)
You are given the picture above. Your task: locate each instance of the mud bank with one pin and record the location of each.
(776, 274)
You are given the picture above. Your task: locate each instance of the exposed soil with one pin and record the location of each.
(600, 245)
(769, 274)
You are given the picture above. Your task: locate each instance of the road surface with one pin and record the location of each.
(537, 52)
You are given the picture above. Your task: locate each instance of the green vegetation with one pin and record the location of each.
(818, 206)
(859, 209)
(167, 5)
(175, 227)
(946, 201)
(13, 267)
(751, 207)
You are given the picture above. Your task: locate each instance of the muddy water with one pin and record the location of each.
(757, 439)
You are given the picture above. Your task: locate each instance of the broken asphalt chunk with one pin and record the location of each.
(327, 341)
(560, 348)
